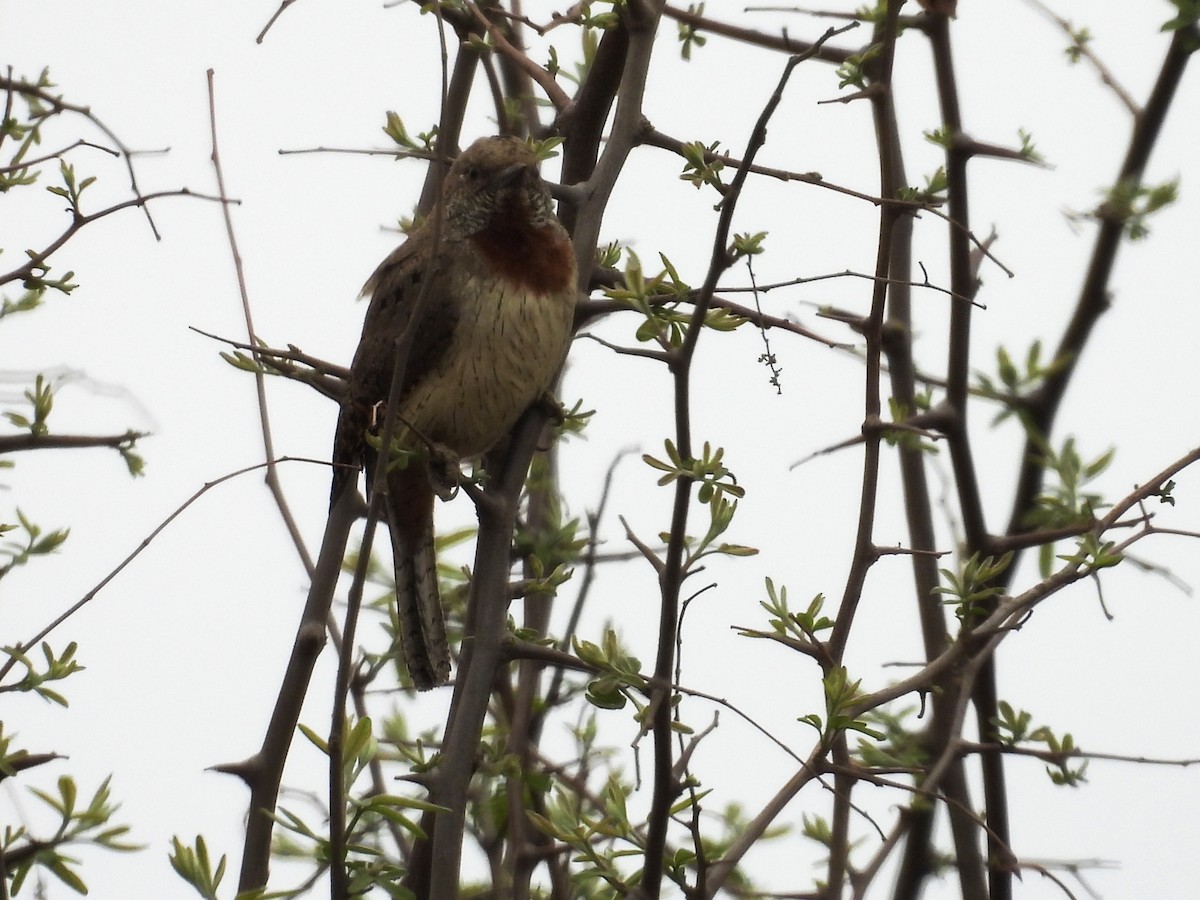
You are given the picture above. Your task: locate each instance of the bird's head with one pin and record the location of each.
(495, 177)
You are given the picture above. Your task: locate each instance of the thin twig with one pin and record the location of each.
(1080, 47)
(284, 4)
(145, 542)
(264, 418)
(57, 104)
(15, 443)
(37, 259)
(671, 577)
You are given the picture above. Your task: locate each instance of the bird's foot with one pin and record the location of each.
(445, 470)
(552, 407)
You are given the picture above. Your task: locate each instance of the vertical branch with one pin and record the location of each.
(263, 771)
(962, 282)
(264, 418)
(518, 86)
(583, 127)
(629, 47)
(679, 361)
(964, 285)
(917, 863)
(523, 842)
(528, 709)
(437, 875)
(339, 881)
(1042, 405)
(455, 94)
(865, 552)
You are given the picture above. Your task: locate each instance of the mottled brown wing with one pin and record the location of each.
(393, 288)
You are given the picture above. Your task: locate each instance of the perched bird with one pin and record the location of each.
(491, 334)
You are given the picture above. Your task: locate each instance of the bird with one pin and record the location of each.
(490, 336)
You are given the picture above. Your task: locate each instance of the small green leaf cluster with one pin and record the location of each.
(709, 471)
(664, 321)
(659, 300)
(26, 132)
(1013, 728)
(367, 865)
(400, 456)
(545, 148)
(1132, 203)
(1027, 150)
(550, 545)
(609, 255)
(1165, 494)
(1080, 38)
(841, 694)
(31, 299)
(717, 485)
(358, 747)
(941, 137)
(589, 40)
(1065, 502)
(135, 463)
(41, 398)
(901, 746)
(90, 824)
(194, 866)
(699, 169)
(1187, 13)
(854, 70)
(747, 245)
(11, 760)
(1013, 383)
(816, 828)
(689, 37)
(600, 20)
(71, 188)
(425, 141)
(18, 553)
(872, 15)
(246, 363)
(56, 669)
(904, 437)
(971, 589)
(572, 421)
(620, 674)
(37, 282)
(799, 630)
(600, 837)
(1093, 554)
(934, 192)
(721, 513)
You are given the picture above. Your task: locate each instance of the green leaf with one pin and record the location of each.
(58, 866)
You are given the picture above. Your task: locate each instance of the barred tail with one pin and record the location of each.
(422, 623)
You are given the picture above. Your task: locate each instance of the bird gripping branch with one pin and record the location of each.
(490, 337)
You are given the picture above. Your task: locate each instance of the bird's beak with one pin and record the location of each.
(508, 176)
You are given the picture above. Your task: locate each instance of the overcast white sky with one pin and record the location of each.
(184, 651)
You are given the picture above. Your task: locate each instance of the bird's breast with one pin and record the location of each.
(509, 341)
(538, 258)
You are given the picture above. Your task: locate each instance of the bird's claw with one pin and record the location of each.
(552, 407)
(445, 470)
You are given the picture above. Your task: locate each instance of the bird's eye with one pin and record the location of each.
(474, 173)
